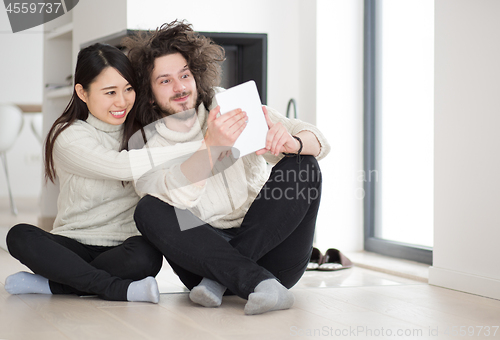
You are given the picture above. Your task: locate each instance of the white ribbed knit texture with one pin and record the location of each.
(221, 202)
(94, 207)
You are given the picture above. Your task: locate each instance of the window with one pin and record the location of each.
(399, 92)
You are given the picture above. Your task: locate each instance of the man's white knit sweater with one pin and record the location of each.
(227, 195)
(96, 202)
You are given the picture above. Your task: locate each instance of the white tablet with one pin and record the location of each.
(246, 97)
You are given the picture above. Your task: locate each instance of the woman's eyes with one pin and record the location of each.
(128, 89)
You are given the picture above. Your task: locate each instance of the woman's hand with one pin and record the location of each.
(223, 131)
(278, 138)
(221, 134)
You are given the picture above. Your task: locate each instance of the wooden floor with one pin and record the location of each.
(355, 303)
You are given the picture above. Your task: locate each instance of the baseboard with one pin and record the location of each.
(390, 265)
(465, 282)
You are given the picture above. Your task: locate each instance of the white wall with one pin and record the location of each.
(93, 19)
(340, 117)
(21, 64)
(21, 83)
(308, 51)
(467, 143)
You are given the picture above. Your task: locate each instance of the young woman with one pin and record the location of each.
(94, 247)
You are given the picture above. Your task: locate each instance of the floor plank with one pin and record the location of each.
(20, 321)
(357, 303)
(355, 277)
(473, 307)
(416, 315)
(347, 312)
(76, 318)
(229, 319)
(157, 322)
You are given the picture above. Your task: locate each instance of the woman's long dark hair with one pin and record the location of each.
(90, 63)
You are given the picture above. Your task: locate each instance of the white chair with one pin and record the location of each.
(36, 126)
(11, 123)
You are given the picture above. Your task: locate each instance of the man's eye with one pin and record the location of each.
(185, 76)
(165, 81)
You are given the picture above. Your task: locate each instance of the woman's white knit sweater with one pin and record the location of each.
(96, 202)
(227, 195)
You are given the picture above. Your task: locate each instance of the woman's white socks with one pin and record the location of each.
(145, 290)
(208, 293)
(269, 295)
(27, 283)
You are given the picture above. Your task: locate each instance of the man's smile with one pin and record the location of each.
(181, 98)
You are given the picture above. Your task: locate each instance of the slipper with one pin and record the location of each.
(316, 259)
(334, 260)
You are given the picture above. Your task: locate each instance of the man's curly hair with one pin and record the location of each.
(203, 56)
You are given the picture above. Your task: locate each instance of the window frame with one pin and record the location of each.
(371, 243)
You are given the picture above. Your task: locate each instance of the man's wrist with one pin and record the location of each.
(299, 144)
(299, 141)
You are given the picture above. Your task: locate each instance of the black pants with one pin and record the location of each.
(274, 240)
(76, 268)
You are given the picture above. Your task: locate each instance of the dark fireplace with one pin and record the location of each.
(246, 59)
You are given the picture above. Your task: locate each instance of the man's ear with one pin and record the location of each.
(81, 93)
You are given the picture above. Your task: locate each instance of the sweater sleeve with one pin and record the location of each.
(295, 126)
(167, 182)
(78, 151)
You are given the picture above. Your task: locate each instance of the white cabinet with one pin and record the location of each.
(63, 37)
(58, 87)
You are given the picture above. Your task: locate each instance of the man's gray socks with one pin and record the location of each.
(27, 283)
(269, 295)
(208, 293)
(145, 290)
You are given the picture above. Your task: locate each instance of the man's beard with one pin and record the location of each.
(183, 115)
(167, 110)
